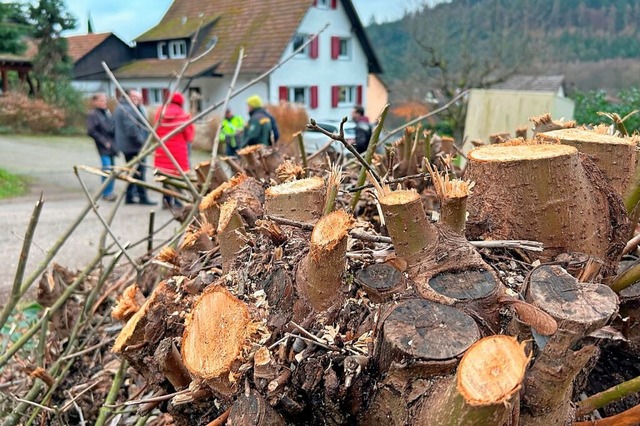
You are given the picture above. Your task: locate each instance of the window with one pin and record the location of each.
(347, 96)
(322, 4)
(195, 100)
(163, 52)
(344, 51)
(299, 40)
(178, 49)
(341, 48)
(303, 95)
(156, 96)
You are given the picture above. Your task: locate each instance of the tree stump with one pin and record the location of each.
(231, 234)
(425, 337)
(486, 387)
(250, 409)
(579, 309)
(319, 275)
(546, 193)
(247, 191)
(300, 200)
(216, 332)
(381, 281)
(615, 156)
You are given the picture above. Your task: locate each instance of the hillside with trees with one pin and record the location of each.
(559, 34)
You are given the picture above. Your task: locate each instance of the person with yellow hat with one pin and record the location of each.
(259, 127)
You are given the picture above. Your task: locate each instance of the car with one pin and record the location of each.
(314, 140)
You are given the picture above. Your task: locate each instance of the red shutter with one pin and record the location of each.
(283, 94)
(359, 95)
(335, 47)
(313, 54)
(315, 2)
(165, 94)
(334, 4)
(335, 96)
(145, 96)
(314, 97)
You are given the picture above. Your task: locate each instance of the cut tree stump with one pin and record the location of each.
(381, 281)
(425, 338)
(250, 409)
(153, 322)
(548, 193)
(231, 234)
(216, 333)
(579, 309)
(544, 123)
(247, 191)
(615, 156)
(486, 387)
(301, 200)
(319, 275)
(260, 161)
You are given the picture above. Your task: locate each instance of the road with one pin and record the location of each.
(47, 164)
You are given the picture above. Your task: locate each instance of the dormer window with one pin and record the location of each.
(322, 4)
(176, 49)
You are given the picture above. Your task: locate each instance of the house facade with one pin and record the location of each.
(328, 77)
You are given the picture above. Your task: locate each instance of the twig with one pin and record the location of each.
(152, 222)
(422, 117)
(631, 245)
(130, 179)
(626, 418)
(75, 398)
(424, 176)
(605, 397)
(105, 410)
(322, 149)
(104, 222)
(626, 278)
(371, 149)
(303, 153)
(313, 125)
(22, 264)
(221, 419)
(87, 350)
(35, 404)
(160, 398)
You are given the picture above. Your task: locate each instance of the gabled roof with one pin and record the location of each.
(79, 46)
(263, 28)
(532, 83)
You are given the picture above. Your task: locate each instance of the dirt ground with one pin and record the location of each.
(47, 164)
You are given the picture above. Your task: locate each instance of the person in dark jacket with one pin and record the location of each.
(275, 132)
(130, 136)
(363, 128)
(259, 128)
(100, 128)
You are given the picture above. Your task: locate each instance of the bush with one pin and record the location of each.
(21, 114)
(588, 104)
(291, 119)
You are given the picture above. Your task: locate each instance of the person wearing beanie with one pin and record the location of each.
(259, 127)
(174, 116)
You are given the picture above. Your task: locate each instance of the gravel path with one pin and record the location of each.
(47, 163)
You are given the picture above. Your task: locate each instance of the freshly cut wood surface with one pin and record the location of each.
(301, 200)
(509, 152)
(492, 370)
(215, 333)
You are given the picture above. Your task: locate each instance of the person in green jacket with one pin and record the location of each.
(259, 127)
(231, 133)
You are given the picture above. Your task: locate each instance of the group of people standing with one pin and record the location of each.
(125, 132)
(261, 128)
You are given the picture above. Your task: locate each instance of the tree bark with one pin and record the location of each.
(247, 191)
(231, 234)
(546, 193)
(615, 156)
(319, 275)
(300, 200)
(579, 309)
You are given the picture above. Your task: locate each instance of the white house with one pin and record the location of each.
(329, 76)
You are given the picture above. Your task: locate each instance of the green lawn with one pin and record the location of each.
(11, 185)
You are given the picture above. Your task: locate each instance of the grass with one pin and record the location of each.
(11, 185)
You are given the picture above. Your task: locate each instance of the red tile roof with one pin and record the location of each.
(263, 28)
(80, 45)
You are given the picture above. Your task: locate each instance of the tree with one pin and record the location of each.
(12, 29)
(486, 43)
(51, 67)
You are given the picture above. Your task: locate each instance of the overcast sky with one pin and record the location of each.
(130, 18)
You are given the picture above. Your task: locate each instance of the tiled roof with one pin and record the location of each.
(263, 28)
(80, 45)
(160, 68)
(533, 83)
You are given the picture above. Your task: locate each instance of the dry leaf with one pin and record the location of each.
(536, 318)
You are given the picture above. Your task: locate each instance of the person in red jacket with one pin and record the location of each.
(174, 116)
